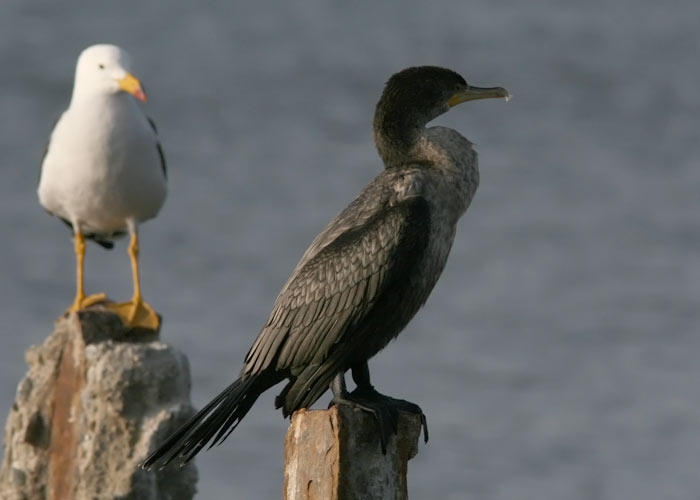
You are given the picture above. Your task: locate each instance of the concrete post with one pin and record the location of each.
(335, 454)
(96, 398)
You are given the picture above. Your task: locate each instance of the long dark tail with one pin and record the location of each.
(212, 423)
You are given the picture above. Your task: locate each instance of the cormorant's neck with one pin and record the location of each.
(395, 135)
(398, 126)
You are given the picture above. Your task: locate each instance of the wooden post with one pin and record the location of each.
(335, 454)
(95, 400)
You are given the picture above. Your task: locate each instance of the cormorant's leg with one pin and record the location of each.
(384, 409)
(81, 301)
(386, 423)
(366, 391)
(136, 313)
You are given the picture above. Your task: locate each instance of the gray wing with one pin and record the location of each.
(163, 166)
(335, 289)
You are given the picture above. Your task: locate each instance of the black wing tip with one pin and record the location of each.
(109, 245)
(104, 240)
(163, 164)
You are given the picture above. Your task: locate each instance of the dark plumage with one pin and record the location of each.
(365, 275)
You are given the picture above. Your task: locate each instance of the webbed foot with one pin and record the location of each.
(85, 302)
(385, 410)
(136, 314)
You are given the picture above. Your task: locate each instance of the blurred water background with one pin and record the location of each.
(558, 356)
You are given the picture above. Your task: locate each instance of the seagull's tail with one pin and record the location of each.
(212, 423)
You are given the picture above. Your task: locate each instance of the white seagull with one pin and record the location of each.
(104, 171)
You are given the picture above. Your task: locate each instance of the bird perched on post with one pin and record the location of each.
(365, 275)
(104, 172)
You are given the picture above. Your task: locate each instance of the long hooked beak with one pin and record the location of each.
(471, 93)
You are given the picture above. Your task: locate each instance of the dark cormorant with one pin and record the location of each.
(365, 275)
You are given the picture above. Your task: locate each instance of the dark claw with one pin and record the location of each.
(385, 409)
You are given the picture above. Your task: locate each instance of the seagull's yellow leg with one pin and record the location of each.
(136, 313)
(81, 301)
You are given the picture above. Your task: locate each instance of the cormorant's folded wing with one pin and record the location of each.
(336, 288)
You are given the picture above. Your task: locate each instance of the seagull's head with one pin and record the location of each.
(106, 69)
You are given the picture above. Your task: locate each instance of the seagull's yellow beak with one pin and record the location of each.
(132, 85)
(471, 93)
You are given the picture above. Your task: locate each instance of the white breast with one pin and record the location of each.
(102, 166)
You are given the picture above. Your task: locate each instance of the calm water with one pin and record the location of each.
(557, 357)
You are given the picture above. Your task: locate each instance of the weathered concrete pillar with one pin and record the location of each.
(96, 398)
(334, 454)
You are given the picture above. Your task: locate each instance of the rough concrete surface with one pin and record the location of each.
(335, 454)
(95, 400)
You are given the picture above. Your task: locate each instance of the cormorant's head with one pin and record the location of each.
(417, 95)
(425, 92)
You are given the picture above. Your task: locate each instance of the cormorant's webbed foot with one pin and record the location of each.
(385, 409)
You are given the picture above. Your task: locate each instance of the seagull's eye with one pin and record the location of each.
(101, 66)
